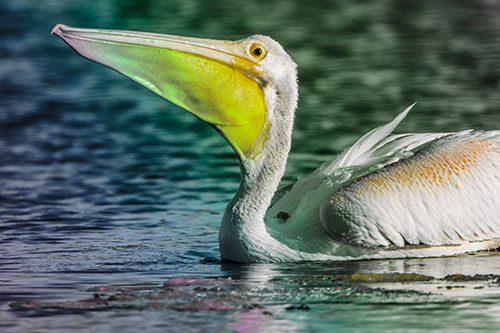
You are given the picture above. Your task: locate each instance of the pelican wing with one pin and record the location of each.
(397, 190)
(448, 193)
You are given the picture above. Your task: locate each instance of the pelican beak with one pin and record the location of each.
(217, 81)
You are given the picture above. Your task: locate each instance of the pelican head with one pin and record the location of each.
(234, 86)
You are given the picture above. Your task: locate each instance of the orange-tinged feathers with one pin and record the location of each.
(441, 166)
(447, 193)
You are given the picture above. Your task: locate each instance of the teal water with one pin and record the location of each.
(103, 183)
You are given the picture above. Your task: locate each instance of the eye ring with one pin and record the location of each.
(257, 51)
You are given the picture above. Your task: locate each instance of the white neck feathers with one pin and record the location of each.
(243, 236)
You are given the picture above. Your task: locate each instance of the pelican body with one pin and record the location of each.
(386, 196)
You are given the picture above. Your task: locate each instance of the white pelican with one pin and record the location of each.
(387, 196)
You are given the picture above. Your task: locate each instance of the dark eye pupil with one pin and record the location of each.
(257, 51)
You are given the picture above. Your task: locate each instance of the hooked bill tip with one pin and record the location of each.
(55, 29)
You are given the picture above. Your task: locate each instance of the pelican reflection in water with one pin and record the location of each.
(386, 196)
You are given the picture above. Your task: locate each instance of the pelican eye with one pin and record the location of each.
(257, 51)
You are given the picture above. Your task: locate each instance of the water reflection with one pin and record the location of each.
(480, 263)
(444, 300)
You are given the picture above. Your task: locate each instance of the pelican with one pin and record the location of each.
(386, 196)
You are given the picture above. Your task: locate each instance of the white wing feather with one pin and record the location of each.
(365, 149)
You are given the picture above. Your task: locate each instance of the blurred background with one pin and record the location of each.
(102, 181)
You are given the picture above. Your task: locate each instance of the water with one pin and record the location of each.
(103, 183)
